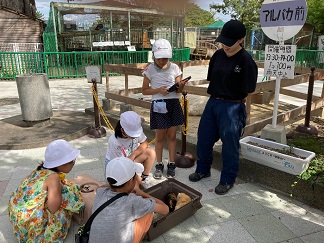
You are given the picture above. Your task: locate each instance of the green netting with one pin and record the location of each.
(99, 24)
(49, 35)
(72, 64)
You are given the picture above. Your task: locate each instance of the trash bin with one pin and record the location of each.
(34, 96)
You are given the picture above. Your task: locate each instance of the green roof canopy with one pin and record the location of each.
(216, 25)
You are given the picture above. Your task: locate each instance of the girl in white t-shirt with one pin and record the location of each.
(130, 141)
(166, 112)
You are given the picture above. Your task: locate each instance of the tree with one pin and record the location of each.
(247, 11)
(195, 16)
(165, 5)
(315, 14)
(39, 15)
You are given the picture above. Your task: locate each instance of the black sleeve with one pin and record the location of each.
(250, 74)
(210, 67)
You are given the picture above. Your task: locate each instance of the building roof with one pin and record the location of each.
(216, 25)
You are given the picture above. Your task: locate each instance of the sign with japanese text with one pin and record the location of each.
(279, 61)
(93, 74)
(282, 19)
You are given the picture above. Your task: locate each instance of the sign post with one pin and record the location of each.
(281, 20)
(94, 77)
(280, 63)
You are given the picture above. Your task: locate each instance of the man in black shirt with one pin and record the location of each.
(233, 75)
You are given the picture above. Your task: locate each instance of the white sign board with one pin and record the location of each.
(321, 49)
(279, 61)
(282, 19)
(93, 73)
(131, 48)
(119, 43)
(102, 43)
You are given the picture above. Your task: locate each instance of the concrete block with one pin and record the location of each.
(34, 97)
(277, 134)
(125, 107)
(263, 98)
(196, 104)
(108, 104)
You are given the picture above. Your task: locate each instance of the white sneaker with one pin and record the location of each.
(147, 183)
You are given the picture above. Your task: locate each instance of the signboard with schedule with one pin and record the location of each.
(279, 61)
(281, 20)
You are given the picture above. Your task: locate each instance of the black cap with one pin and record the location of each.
(232, 31)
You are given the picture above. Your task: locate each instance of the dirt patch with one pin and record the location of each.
(316, 122)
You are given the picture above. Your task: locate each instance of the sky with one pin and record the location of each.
(43, 6)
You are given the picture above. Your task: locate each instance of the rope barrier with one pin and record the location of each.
(103, 114)
(184, 127)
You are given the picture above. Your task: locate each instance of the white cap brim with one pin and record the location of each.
(68, 158)
(122, 169)
(134, 134)
(163, 54)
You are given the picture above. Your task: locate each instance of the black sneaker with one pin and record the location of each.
(158, 171)
(197, 176)
(171, 170)
(222, 189)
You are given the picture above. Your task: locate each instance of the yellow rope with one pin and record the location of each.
(184, 127)
(153, 141)
(103, 114)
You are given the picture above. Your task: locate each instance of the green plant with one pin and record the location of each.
(315, 171)
(313, 144)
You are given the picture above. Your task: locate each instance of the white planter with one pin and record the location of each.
(274, 159)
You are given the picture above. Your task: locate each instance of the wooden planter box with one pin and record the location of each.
(280, 161)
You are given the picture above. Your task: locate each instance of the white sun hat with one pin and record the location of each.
(162, 49)
(122, 169)
(131, 123)
(59, 152)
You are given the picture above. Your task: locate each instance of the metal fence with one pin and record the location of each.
(304, 58)
(71, 64)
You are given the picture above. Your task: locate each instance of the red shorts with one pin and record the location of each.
(142, 225)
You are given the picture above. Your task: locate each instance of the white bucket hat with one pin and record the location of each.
(59, 152)
(122, 169)
(162, 49)
(131, 123)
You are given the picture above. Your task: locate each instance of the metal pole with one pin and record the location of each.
(97, 131)
(184, 136)
(276, 99)
(95, 106)
(306, 128)
(275, 103)
(309, 97)
(129, 27)
(184, 160)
